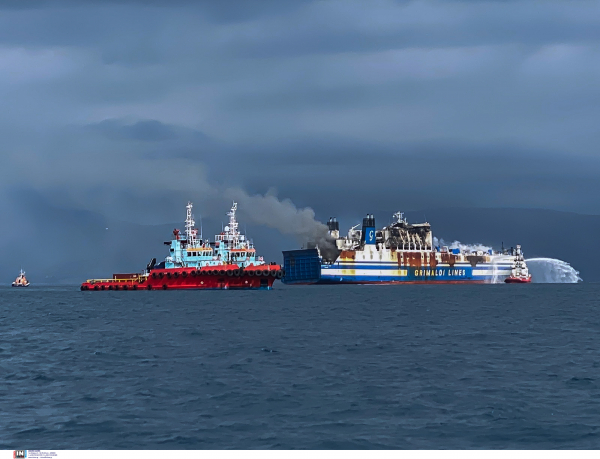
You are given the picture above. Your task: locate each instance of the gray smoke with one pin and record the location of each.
(284, 216)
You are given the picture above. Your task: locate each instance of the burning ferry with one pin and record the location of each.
(398, 253)
(228, 262)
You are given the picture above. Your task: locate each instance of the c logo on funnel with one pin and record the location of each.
(370, 236)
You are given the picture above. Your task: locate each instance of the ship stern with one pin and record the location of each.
(301, 266)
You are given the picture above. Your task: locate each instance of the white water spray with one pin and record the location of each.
(552, 271)
(459, 245)
(496, 279)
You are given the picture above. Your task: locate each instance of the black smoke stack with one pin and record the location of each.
(333, 224)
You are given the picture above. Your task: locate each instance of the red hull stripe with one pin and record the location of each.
(224, 277)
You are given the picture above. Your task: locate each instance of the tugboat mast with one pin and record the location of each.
(231, 231)
(190, 231)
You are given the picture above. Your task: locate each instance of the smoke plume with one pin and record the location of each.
(284, 216)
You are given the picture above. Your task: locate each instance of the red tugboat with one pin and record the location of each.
(230, 262)
(519, 273)
(21, 280)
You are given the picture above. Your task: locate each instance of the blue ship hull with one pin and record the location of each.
(305, 267)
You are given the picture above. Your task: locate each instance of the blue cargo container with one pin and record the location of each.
(301, 266)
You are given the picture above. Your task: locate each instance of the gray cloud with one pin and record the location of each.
(146, 130)
(127, 107)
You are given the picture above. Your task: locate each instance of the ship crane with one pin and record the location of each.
(400, 217)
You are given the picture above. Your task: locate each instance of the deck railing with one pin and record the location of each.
(130, 279)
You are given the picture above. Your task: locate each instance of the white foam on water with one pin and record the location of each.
(552, 271)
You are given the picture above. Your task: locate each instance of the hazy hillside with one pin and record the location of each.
(64, 246)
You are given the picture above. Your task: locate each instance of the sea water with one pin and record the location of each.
(408, 366)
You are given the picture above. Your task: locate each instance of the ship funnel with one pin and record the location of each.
(368, 230)
(333, 225)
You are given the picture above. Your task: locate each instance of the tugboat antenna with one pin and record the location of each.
(189, 225)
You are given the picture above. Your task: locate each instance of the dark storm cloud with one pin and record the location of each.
(349, 178)
(223, 11)
(145, 130)
(126, 107)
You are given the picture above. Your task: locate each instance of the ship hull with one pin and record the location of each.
(389, 282)
(225, 278)
(518, 280)
(304, 267)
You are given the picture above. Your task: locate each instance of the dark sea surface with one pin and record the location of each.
(419, 367)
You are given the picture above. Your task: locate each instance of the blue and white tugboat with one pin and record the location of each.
(228, 262)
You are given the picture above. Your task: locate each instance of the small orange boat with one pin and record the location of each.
(21, 280)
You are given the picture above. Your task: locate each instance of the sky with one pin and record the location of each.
(131, 108)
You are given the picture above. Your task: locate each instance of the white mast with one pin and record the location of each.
(190, 231)
(232, 230)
